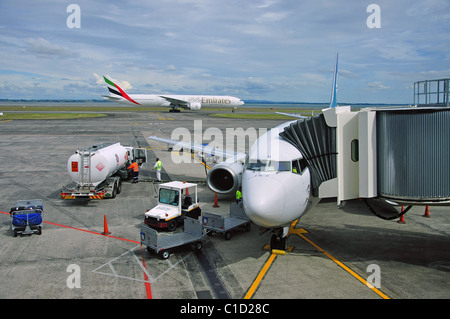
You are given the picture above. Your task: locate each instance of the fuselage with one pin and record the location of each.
(275, 181)
(205, 100)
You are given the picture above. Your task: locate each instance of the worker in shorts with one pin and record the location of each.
(135, 167)
(158, 167)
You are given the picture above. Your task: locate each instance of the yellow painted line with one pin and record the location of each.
(261, 275)
(204, 164)
(300, 232)
(351, 272)
(5, 121)
(201, 162)
(154, 148)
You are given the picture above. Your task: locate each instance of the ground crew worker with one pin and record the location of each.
(135, 167)
(158, 167)
(238, 195)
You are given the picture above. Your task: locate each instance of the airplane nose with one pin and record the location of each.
(264, 199)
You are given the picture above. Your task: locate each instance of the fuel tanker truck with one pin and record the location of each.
(97, 171)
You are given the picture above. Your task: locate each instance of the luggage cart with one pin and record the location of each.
(221, 224)
(27, 217)
(165, 244)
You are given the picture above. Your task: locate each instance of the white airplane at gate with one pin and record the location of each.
(175, 102)
(275, 179)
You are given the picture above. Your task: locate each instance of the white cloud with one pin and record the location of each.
(43, 47)
(377, 86)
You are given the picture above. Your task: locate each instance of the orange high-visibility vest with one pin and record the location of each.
(134, 166)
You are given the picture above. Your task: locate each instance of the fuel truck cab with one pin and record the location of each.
(175, 201)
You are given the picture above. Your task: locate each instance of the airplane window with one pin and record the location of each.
(268, 166)
(355, 150)
(284, 166)
(295, 167)
(303, 164)
(299, 166)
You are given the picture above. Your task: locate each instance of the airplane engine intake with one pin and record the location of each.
(225, 178)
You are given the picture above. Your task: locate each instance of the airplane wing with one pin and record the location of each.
(172, 100)
(298, 116)
(205, 149)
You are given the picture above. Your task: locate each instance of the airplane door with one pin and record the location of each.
(140, 155)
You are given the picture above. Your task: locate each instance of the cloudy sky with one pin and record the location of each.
(280, 50)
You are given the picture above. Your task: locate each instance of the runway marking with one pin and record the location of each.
(201, 162)
(260, 276)
(204, 164)
(113, 271)
(300, 232)
(148, 289)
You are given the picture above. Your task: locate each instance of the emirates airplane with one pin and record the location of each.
(175, 102)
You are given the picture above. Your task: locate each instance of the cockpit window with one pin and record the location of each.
(268, 166)
(298, 166)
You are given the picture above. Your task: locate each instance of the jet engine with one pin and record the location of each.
(195, 106)
(225, 177)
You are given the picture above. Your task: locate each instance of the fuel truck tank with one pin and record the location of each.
(94, 164)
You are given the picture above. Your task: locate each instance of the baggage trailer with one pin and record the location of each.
(221, 224)
(27, 217)
(165, 244)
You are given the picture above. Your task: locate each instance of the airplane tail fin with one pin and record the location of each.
(333, 102)
(116, 93)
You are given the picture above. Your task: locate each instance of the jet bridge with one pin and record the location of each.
(398, 155)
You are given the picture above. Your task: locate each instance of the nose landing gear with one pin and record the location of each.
(278, 239)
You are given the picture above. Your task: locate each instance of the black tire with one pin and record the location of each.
(198, 245)
(172, 224)
(119, 186)
(164, 254)
(114, 191)
(227, 235)
(247, 227)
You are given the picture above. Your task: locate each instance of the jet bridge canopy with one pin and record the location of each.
(317, 143)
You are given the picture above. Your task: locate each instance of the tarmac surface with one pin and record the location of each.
(341, 249)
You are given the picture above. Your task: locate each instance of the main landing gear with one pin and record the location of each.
(174, 111)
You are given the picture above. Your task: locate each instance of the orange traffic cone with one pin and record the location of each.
(215, 201)
(105, 226)
(427, 212)
(401, 220)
